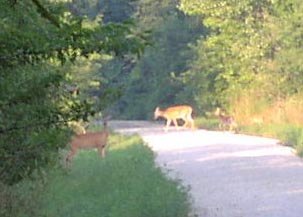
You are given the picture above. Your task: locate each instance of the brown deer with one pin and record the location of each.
(89, 140)
(226, 121)
(171, 114)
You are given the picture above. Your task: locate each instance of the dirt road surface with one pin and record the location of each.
(230, 175)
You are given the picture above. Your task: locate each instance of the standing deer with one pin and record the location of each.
(226, 121)
(89, 140)
(171, 114)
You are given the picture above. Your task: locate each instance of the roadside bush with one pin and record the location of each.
(20, 200)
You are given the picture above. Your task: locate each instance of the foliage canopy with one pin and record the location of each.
(37, 39)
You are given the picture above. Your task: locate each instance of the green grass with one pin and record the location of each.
(125, 183)
(288, 134)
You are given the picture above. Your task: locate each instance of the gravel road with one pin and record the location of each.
(230, 175)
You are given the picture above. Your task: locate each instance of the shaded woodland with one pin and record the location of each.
(63, 61)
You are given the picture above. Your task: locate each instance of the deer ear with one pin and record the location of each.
(106, 118)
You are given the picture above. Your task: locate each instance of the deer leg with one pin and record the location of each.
(185, 122)
(193, 124)
(71, 155)
(225, 126)
(101, 151)
(235, 127)
(167, 125)
(176, 123)
(220, 125)
(191, 121)
(230, 127)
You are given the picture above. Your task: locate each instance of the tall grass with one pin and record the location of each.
(280, 118)
(257, 114)
(125, 183)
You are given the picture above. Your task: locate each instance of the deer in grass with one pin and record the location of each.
(89, 140)
(226, 121)
(172, 114)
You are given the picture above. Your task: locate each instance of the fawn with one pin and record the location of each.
(226, 121)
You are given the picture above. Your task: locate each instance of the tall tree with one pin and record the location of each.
(37, 38)
(156, 79)
(246, 48)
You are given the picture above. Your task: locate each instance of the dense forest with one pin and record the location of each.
(157, 77)
(207, 54)
(66, 62)
(63, 61)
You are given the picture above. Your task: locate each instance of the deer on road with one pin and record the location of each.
(226, 121)
(172, 114)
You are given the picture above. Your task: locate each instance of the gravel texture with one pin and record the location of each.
(230, 175)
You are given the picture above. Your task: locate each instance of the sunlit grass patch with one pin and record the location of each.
(125, 183)
(289, 134)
